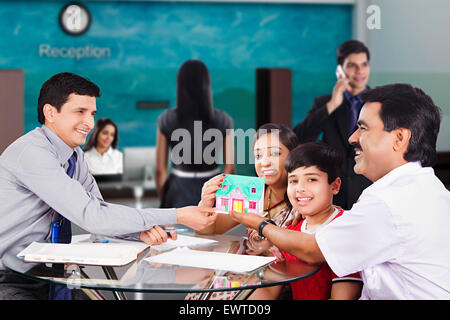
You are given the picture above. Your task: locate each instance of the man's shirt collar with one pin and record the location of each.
(63, 151)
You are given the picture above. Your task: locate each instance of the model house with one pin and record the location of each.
(241, 194)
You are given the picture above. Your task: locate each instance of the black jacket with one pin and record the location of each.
(335, 133)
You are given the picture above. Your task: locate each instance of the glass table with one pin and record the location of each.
(146, 277)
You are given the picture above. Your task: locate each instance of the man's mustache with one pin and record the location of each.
(355, 145)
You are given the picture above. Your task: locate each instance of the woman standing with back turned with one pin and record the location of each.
(194, 109)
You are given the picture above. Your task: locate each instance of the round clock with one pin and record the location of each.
(75, 19)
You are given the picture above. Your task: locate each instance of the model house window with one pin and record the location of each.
(252, 205)
(224, 202)
(253, 190)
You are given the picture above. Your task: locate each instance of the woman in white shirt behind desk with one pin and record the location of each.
(101, 151)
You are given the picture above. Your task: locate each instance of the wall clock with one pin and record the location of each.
(74, 19)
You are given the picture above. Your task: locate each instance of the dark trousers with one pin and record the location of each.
(180, 192)
(16, 287)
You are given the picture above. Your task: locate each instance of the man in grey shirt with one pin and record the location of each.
(36, 190)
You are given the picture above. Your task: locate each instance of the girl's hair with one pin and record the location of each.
(285, 134)
(319, 154)
(194, 96)
(99, 125)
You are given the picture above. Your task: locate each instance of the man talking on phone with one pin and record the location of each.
(335, 116)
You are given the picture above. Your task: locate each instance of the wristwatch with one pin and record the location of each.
(261, 226)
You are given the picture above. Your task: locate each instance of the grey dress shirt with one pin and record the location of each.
(34, 188)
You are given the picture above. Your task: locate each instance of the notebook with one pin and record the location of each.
(104, 254)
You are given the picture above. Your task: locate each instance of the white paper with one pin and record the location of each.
(184, 241)
(211, 260)
(81, 238)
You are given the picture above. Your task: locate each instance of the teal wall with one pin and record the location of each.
(146, 42)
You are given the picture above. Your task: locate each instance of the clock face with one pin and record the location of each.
(74, 19)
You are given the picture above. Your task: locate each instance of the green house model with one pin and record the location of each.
(241, 194)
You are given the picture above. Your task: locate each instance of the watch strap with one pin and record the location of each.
(261, 226)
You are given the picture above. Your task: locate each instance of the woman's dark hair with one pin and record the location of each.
(56, 90)
(349, 47)
(403, 106)
(325, 157)
(285, 134)
(194, 95)
(99, 125)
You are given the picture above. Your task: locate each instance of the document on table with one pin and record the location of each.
(107, 254)
(211, 260)
(184, 241)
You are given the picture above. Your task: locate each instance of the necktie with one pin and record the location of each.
(354, 102)
(62, 292)
(65, 234)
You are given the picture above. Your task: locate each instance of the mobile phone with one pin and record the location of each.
(340, 72)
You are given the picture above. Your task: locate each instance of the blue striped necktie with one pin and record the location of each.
(354, 110)
(62, 292)
(65, 234)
